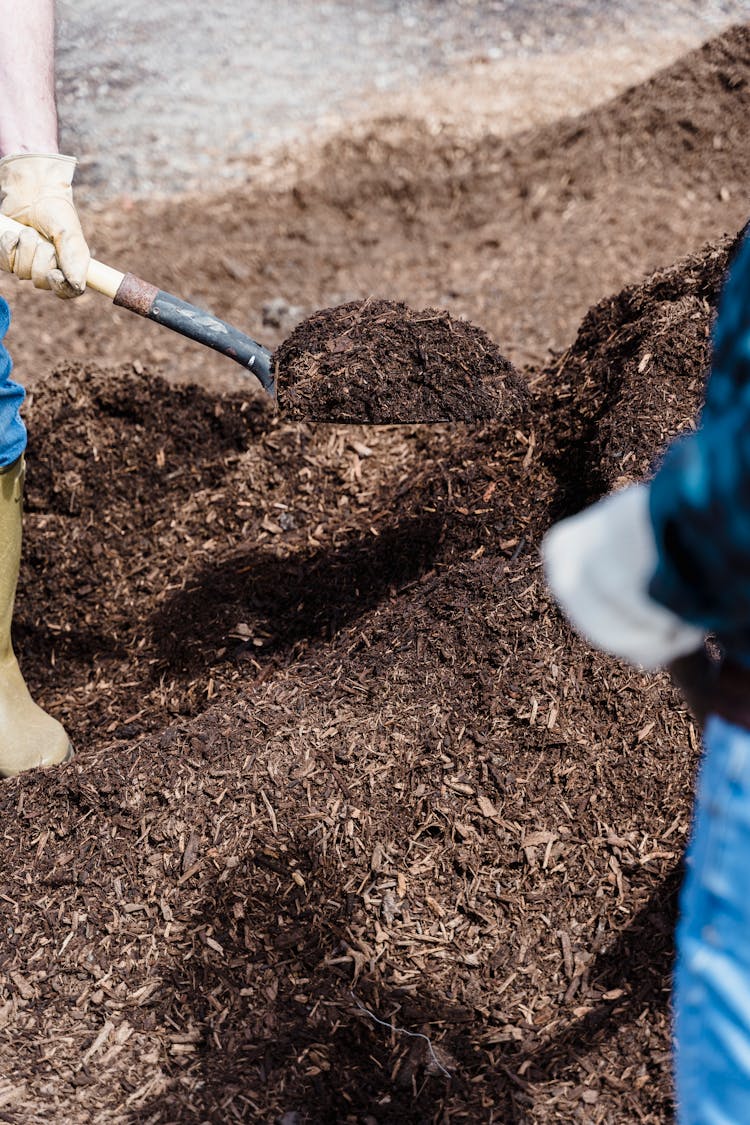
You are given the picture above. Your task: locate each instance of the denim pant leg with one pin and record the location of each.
(12, 429)
(712, 976)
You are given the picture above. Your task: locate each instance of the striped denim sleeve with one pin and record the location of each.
(700, 497)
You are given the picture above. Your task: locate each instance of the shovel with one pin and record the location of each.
(130, 292)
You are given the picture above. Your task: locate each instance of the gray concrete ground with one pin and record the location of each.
(159, 98)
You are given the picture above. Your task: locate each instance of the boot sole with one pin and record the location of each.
(64, 761)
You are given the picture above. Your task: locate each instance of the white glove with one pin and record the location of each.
(599, 564)
(37, 191)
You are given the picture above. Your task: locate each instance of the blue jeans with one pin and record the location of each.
(712, 977)
(12, 429)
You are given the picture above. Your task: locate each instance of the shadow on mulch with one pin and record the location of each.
(282, 1030)
(33, 640)
(280, 602)
(621, 967)
(305, 1044)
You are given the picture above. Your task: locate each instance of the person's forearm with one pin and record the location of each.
(28, 117)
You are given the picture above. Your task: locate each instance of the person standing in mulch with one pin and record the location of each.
(646, 574)
(35, 187)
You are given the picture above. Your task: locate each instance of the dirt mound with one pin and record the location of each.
(338, 754)
(633, 379)
(175, 539)
(124, 437)
(382, 362)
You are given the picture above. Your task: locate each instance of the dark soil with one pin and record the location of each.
(380, 361)
(336, 749)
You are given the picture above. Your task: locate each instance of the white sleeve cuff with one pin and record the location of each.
(598, 565)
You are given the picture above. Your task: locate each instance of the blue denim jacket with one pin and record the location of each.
(700, 497)
(12, 429)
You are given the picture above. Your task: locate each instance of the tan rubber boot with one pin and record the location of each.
(28, 736)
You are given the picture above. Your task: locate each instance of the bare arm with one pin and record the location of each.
(28, 118)
(35, 180)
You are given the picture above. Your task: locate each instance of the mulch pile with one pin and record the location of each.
(339, 759)
(380, 361)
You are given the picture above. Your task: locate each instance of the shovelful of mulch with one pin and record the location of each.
(378, 361)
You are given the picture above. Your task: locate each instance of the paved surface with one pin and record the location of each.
(159, 98)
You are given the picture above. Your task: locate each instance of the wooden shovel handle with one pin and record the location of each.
(130, 292)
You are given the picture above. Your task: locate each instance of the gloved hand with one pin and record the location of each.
(37, 191)
(599, 564)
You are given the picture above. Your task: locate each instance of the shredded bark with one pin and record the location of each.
(336, 748)
(382, 362)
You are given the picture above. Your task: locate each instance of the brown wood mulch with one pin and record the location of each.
(357, 830)
(339, 760)
(381, 362)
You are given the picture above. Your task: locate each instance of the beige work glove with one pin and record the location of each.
(36, 190)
